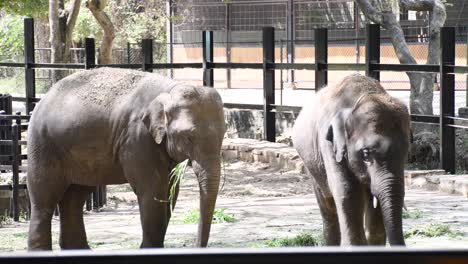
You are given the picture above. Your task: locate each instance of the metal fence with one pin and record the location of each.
(447, 120)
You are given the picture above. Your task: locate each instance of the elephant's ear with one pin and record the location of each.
(154, 117)
(336, 134)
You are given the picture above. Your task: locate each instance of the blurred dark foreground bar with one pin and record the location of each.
(361, 255)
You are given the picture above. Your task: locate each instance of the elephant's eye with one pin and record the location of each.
(366, 155)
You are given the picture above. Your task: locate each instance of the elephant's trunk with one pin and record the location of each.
(390, 193)
(208, 173)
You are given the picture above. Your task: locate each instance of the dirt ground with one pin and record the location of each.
(266, 204)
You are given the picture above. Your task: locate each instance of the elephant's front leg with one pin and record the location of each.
(154, 219)
(348, 196)
(349, 204)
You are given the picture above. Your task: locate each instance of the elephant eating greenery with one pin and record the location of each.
(353, 138)
(112, 126)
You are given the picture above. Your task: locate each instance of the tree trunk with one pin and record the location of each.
(422, 84)
(62, 23)
(105, 53)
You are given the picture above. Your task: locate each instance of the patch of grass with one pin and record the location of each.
(21, 235)
(413, 214)
(219, 216)
(94, 245)
(433, 230)
(301, 240)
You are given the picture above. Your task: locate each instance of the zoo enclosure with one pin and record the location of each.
(447, 120)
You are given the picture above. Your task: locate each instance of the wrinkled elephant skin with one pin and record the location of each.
(112, 126)
(353, 138)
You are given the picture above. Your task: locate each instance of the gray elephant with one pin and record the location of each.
(112, 126)
(353, 138)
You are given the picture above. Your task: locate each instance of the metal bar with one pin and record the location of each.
(458, 126)
(290, 23)
(269, 84)
(96, 195)
(123, 66)
(15, 169)
(407, 67)
(58, 66)
(228, 44)
(14, 117)
(333, 255)
(23, 99)
(461, 70)
(12, 64)
(147, 53)
(286, 108)
(10, 168)
(29, 60)
(372, 50)
(89, 206)
(177, 65)
(447, 99)
(208, 76)
(321, 58)
(256, 66)
(346, 67)
(425, 119)
(243, 106)
(90, 53)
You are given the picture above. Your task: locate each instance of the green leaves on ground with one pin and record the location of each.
(432, 230)
(412, 214)
(301, 240)
(219, 216)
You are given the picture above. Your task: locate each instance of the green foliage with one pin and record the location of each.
(301, 240)
(11, 36)
(86, 26)
(31, 8)
(415, 214)
(219, 216)
(176, 175)
(432, 230)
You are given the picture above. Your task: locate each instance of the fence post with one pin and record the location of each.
(447, 99)
(208, 76)
(5, 130)
(269, 84)
(15, 169)
(90, 53)
(372, 50)
(147, 53)
(321, 58)
(29, 60)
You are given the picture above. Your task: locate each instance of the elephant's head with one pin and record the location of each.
(372, 139)
(190, 122)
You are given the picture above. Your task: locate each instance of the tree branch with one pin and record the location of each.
(73, 12)
(109, 32)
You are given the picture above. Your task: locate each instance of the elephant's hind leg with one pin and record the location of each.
(331, 228)
(45, 190)
(373, 223)
(72, 229)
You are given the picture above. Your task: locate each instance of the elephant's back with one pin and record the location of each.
(99, 88)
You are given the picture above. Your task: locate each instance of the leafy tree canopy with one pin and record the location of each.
(31, 8)
(11, 35)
